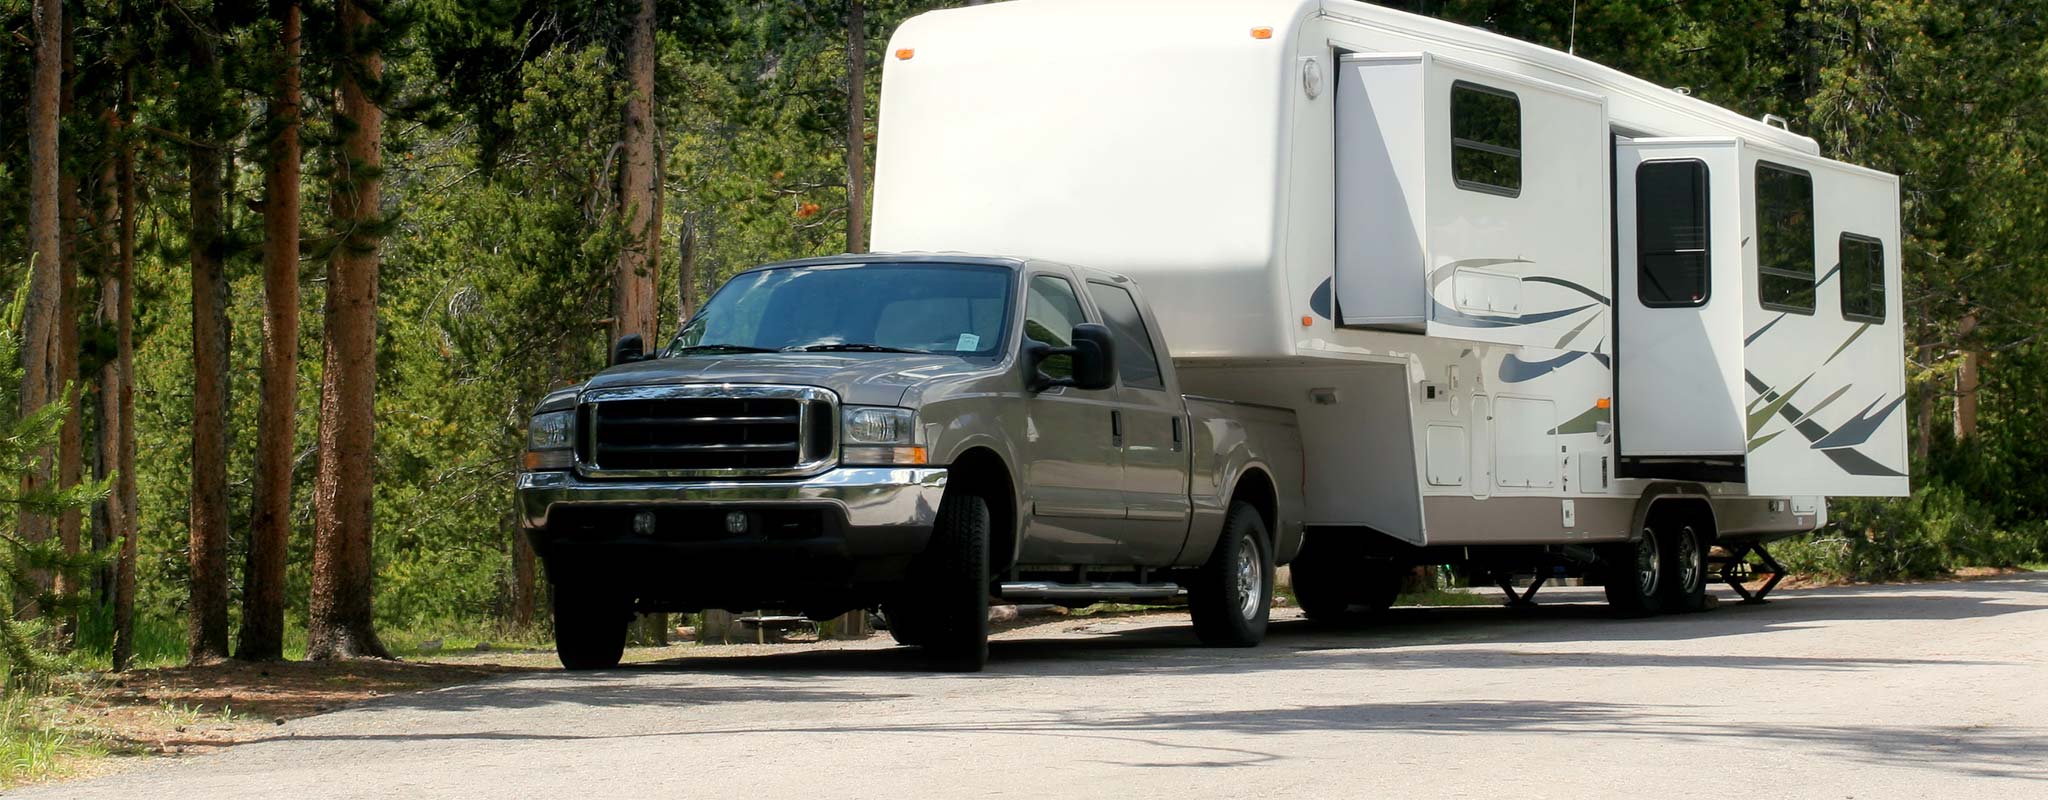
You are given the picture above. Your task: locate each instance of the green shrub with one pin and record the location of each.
(1937, 530)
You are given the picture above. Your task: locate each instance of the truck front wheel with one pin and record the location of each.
(1232, 595)
(950, 582)
(590, 626)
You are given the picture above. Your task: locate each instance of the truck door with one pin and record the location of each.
(1073, 472)
(1679, 304)
(1154, 432)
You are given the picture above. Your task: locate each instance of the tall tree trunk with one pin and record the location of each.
(856, 128)
(524, 587)
(686, 270)
(633, 304)
(1966, 379)
(106, 411)
(207, 629)
(270, 522)
(45, 250)
(1923, 428)
(70, 441)
(342, 625)
(125, 528)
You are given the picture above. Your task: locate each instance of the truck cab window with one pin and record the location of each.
(1671, 234)
(1486, 139)
(1051, 310)
(1862, 278)
(1136, 364)
(1784, 238)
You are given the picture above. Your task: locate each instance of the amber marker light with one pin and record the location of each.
(905, 54)
(1604, 403)
(1262, 33)
(1307, 321)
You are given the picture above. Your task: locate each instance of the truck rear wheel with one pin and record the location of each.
(590, 626)
(950, 582)
(1635, 574)
(1336, 583)
(1232, 595)
(901, 616)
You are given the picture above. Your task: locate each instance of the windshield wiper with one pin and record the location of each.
(847, 347)
(722, 348)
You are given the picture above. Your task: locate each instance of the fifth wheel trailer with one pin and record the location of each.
(1534, 315)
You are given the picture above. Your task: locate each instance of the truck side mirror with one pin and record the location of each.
(1092, 356)
(628, 349)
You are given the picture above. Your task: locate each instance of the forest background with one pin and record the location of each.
(287, 276)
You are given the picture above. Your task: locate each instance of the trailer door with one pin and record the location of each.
(1678, 300)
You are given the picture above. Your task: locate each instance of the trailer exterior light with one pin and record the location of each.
(905, 54)
(1604, 403)
(1262, 33)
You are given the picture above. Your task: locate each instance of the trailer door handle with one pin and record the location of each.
(1116, 427)
(1177, 442)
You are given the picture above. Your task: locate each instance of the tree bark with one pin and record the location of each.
(342, 625)
(45, 252)
(207, 628)
(633, 284)
(686, 270)
(270, 522)
(123, 497)
(1923, 428)
(1966, 379)
(523, 585)
(856, 128)
(70, 441)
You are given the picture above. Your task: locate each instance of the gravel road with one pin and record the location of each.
(1923, 691)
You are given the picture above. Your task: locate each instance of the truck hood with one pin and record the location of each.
(877, 379)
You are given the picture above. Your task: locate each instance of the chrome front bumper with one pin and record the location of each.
(866, 497)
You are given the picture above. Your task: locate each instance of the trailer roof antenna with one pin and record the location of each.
(1571, 46)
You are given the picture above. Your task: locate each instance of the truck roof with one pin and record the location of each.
(939, 257)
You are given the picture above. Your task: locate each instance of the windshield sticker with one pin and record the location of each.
(968, 342)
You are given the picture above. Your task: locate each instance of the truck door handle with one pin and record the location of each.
(1116, 427)
(1176, 434)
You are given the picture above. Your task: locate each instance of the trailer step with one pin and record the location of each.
(1071, 593)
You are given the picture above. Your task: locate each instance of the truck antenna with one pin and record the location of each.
(1572, 44)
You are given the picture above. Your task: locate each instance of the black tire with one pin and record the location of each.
(590, 626)
(1336, 583)
(1634, 575)
(1685, 569)
(1232, 594)
(950, 582)
(903, 622)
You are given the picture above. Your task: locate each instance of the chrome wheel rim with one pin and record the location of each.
(1647, 572)
(1250, 579)
(1688, 559)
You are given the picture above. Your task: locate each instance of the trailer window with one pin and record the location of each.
(1136, 363)
(1784, 238)
(1862, 278)
(1671, 234)
(1051, 310)
(1486, 139)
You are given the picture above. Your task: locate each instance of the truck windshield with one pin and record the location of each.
(955, 309)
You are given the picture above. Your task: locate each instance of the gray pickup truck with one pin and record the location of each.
(914, 433)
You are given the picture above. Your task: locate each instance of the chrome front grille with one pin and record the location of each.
(706, 431)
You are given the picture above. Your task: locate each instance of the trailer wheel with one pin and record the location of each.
(590, 626)
(1634, 574)
(1685, 570)
(951, 577)
(1232, 595)
(1336, 583)
(904, 625)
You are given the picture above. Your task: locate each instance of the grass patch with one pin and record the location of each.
(1449, 597)
(35, 745)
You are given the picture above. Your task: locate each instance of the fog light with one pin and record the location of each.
(736, 522)
(643, 523)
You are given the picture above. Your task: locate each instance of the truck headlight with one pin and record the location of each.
(874, 435)
(549, 438)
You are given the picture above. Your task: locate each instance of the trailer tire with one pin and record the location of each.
(1634, 575)
(590, 626)
(1232, 595)
(1685, 570)
(904, 625)
(951, 579)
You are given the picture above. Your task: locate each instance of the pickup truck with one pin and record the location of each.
(913, 433)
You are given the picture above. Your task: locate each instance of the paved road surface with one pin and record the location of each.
(1928, 691)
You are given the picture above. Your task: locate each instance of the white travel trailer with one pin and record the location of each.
(1535, 315)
